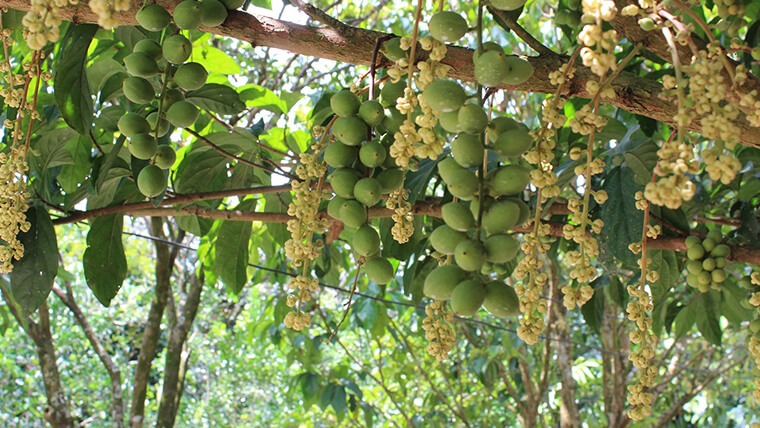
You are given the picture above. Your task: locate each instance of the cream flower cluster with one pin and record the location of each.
(437, 329)
(721, 167)
(598, 44)
(531, 282)
(673, 187)
(403, 227)
(106, 9)
(13, 197)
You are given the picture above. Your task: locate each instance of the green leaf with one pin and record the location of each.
(101, 70)
(215, 60)
(32, 276)
(642, 161)
(334, 395)
(622, 220)
(707, 321)
(73, 174)
(216, 98)
(72, 90)
(593, 310)
(366, 311)
(665, 263)
(200, 170)
(49, 150)
(685, 320)
(232, 253)
(416, 182)
(258, 96)
(105, 265)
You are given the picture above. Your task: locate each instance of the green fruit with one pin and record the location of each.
(501, 300)
(163, 126)
(574, 4)
(339, 155)
(487, 47)
(334, 206)
(392, 121)
(441, 281)
(165, 156)
(457, 216)
(391, 92)
(182, 114)
(475, 205)
(372, 112)
(372, 154)
(191, 76)
(692, 241)
(692, 279)
(472, 118)
(513, 143)
(507, 4)
(390, 179)
(524, 211)
(467, 297)
(716, 235)
(467, 150)
(138, 90)
(343, 181)
(177, 49)
(501, 248)
(153, 17)
(696, 252)
(213, 13)
(368, 191)
(232, 4)
(646, 24)
(445, 239)
(172, 96)
(509, 179)
(520, 71)
(132, 123)
(470, 255)
(693, 266)
(350, 131)
(447, 167)
(491, 68)
(142, 146)
(562, 16)
(353, 214)
(720, 262)
(708, 264)
(500, 125)
(148, 47)
(151, 181)
(463, 184)
(447, 26)
(501, 216)
(704, 288)
(392, 49)
(188, 15)
(449, 121)
(721, 250)
(140, 64)
(366, 241)
(718, 275)
(444, 95)
(345, 103)
(379, 270)
(704, 278)
(708, 244)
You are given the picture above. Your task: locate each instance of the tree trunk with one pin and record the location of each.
(568, 410)
(56, 412)
(614, 366)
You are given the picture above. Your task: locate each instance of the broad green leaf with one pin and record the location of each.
(232, 253)
(708, 319)
(685, 319)
(642, 161)
(593, 310)
(200, 170)
(334, 395)
(129, 36)
(75, 173)
(215, 60)
(622, 220)
(258, 96)
(49, 150)
(105, 265)
(101, 70)
(72, 91)
(216, 98)
(665, 263)
(417, 181)
(32, 276)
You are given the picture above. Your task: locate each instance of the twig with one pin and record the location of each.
(522, 33)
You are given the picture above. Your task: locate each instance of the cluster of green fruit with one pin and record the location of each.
(706, 260)
(468, 294)
(570, 15)
(363, 171)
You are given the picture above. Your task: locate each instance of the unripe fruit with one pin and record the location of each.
(457, 216)
(470, 255)
(138, 90)
(339, 155)
(353, 214)
(392, 49)
(153, 17)
(513, 143)
(334, 206)
(368, 191)
(693, 266)
(472, 118)
(704, 278)
(379, 270)
(501, 216)
(172, 96)
(372, 112)
(500, 125)
(501, 300)
(708, 244)
(350, 131)
(720, 262)
(188, 15)
(692, 279)
(213, 13)
(151, 181)
(177, 49)
(163, 125)
(708, 264)
(467, 150)
(140, 64)
(392, 121)
(165, 156)
(390, 179)
(391, 91)
(509, 179)
(463, 184)
(520, 71)
(366, 241)
(716, 235)
(444, 95)
(232, 4)
(447, 26)
(191, 76)
(132, 124)
(445, 239)
(721, 250)
(524, 211)
(646, 24)
(501, 248)
(507, 4)
(142, 146)
(343, 181)
(182, 114)
(148, 47)
(447, 167)
(345, 103)
(467, 297)
(441, 281)
(372, 154)
(718, 275)
(449, 121)
(491, 68)
(692, 241)
(696, 252)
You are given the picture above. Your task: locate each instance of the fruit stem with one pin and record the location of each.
(413, 49)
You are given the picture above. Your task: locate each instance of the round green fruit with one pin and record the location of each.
(463, 184)
(513, 143)
(704, 278)
(138, 90)
(392, 121)
(487, 47)
(345, 103)
(470, 255)
(372, 154)
(500, 125)
(467, 150)
(213, 13)
(693, 266)
(472, 118)
(165, 156)
(507, 4)
(142, 146)
(444, 95)
(372, 112)
(447, 167)
(720, 262)
(366, 241)
(501, 216)
(696, 252)
(334, 206)
(182, 114)
(140, 64)
(148, 47)
(501, 300)
(447, 26)
(177, 49)
(163, 125)
(720, 250)
(172, 96)
(716, 235)
(445, 239)
(491, 68)
(392, 49)
(692, 241)
(343, 181)
(709, 244)
(708, 264)
(153, 17)
(353, 214)
(339, 155)
(151, 181)
(390, 179)
(718, 275)
(520, 71)
(467, 297)
(524, 211)
(132, 124)
(368, 191)
(191, 76)
(350, 131)
(449, 121)
(392, 91)
(379, 270)
(692, 279)
(509, 179)
(188, 15)
(501, 248)
(441, 281)
(457, 216)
